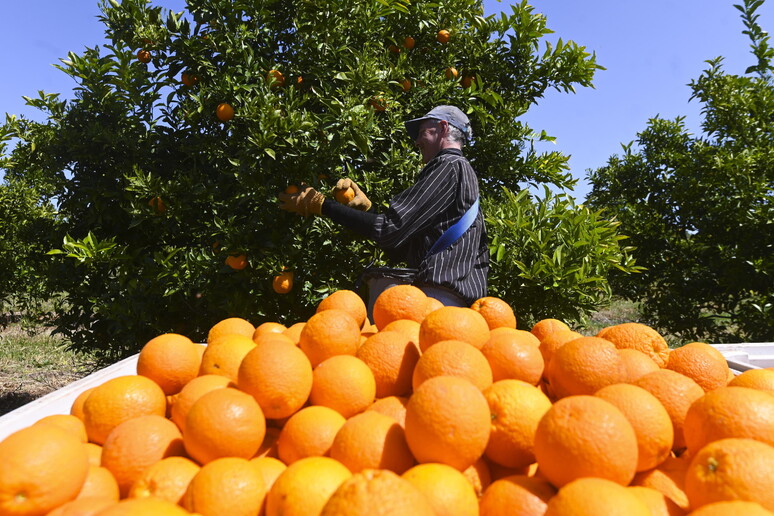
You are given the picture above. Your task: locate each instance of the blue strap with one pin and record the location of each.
(455, 232)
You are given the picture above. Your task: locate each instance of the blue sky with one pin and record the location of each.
(651, 50)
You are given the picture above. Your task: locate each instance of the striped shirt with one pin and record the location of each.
(445, 188)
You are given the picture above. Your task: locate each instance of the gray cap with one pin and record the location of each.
(451, 114)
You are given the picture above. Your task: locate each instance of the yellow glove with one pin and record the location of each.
(307, 201)
(359, 201)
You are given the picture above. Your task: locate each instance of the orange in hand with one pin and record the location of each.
(344, 196)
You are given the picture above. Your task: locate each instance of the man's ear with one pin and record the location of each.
(444, 128)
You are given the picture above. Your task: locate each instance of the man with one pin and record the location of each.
(445, 190)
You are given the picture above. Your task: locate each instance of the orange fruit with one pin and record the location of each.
(268, 327)
(407, 327)
(83, 507)
(224, 112)
(76, 409)
(405, 84)
(43, 466)
(223, 355)
(291, 189)
(371, 440)
(95, 453)
(512, 355)
(236, 261)
(467, 80)
(443, 36)
(668, 478)
(294, 331)
(545, 327)
(649, 418)
(496, 312)
(399, 302)
(392, 358)
(569, 442)
(189, 79)
(118, 400)
(228, 485)
(451, 73)
(409, 42)
(348, 301)
(143, 56)
(149, 505)
(453, 323)
(583, 366)
(447, 489)
(393, 406)
(555, 340)
(283, 282)
(376, 491)
(268, 447)
(344, 383)
(66, 422)
(729, 412)
(275, 78)
(158, 205)
(731, 469)
(700, 362)
(479, 475)
(640, 337)
(517, 495)
(344, 196)
(308, 433)
(329, 333)
(761, 379)
(516, 407)
(269, 468)
(447, 421)
(192, 391)
(100, 483)
(591, 496)
(229, 326)
(167, 479)
(136, 444)
(433, 304)
(224, 423)
(278, 375)
(305, 486)
(170, 360)
(731, 507)
(657, 502)
(636, 363)
(453, 358)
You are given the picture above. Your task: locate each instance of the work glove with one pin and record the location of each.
(360, 201)
(307, 201)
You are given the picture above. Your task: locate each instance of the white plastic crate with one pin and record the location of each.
(747, 355)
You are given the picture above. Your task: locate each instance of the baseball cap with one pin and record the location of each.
(451, 114)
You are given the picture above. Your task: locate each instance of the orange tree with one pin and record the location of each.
(185, 126)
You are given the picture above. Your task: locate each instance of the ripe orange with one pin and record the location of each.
(43, 466)
(583, 366)
(588, 496)
(158, 205)
(393, 406)
(516, 407)
(479, 475)
(95, 453)
(451, 73)
(392, 358)
(66, 422)
(376, 491)
(344, 383)
(308, 433)
(432, 305)
(278, 375)
(76, 409)
(407, 327)
(223, 355)
(731, 469)
(143, 56)
(100, 483)
(136, 444)
(269, 468)
(170, 360)
(224, 112)
(268, 447)
(656, 501)
(443, 36)
(348, 301)
(329, 333)
(83, 506)
(585, 436)
(447, 421)
(236, 261)
(275, 78)
(453, 323)
(447, 489)
(729, 412)
(283, 282)
(667, 478)
(167, 479)
(649, 418)
(378, 103)
(150, 505)
(268, 327)
(496, 312)
(192, 391)
(453, 358)
(224, 423)
(189, 79)
(700, 362)
(409, 42)
(731, 507)
(676, 392)
(229, 326)
(518, 495)
(638, 336)
(395, 49)
(371, 440)
(344, 196)
(118, 400)
(405, 84)
(636, 363)
(761, 379)
(555, 340)
(229, 485)
(512, 356)
(291, 189)
(399, 302)
(294, 331)
(545, 327)
(305, 486)
(467, 80)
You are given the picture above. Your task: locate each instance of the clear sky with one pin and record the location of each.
(651, 50)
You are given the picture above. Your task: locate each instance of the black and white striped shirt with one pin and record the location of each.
(446, 187)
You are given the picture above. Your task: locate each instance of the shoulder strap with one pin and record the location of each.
(452, 234)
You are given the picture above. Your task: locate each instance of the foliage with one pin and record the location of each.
(699, 209)
(551, 258)
(154, 191)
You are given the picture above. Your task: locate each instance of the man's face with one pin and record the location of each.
(430, 138)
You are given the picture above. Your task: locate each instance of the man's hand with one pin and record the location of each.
(360, 201)
(306, 202)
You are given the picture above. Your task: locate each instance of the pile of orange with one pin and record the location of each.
(424, 410)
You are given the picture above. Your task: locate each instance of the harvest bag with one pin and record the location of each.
(380, 279)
